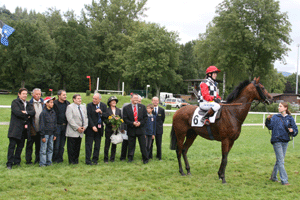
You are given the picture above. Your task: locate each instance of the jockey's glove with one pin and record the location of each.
(217, 100)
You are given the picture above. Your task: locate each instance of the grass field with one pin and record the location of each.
(249, 167)
(250, 164)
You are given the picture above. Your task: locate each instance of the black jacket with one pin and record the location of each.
(18, 119)
(93, 118)
(48, 122)
(129, 119)
(160, 119)
(55, 107)
(108, 127)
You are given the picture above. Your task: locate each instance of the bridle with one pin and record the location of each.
(261, 93)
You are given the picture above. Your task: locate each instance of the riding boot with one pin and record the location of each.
(208, 114)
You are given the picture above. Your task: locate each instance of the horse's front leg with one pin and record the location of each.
(226, 146)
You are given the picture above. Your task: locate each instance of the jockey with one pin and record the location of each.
(208, 96)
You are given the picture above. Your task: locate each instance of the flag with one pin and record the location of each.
(5, 32)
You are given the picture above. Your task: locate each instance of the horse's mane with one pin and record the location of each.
(235, 93)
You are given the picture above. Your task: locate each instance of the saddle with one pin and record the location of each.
(199, 113)
(202, 112)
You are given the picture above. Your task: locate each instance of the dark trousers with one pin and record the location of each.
(89, 140)
(29, 148)
(131, 146)
(124, 150)
(73, 146)
(59, 144)
(13, 153)
(158, 141)
(106, 148)
(149, 143)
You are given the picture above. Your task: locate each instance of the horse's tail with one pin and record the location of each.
(173, 144)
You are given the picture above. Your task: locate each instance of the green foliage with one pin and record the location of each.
(88, 93)
(245, 39)
(168, 107)
(274, 82)
(272, 108)
(153, 57)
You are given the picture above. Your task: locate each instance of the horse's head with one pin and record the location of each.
(263, 94)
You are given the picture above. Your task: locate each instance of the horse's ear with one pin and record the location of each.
(257, 80)
(254, 79)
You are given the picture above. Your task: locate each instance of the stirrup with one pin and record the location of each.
(206, 122)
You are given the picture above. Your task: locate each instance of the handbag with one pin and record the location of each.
(116, 138)
(124, 135)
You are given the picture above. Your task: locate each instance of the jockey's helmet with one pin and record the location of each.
(212, 69)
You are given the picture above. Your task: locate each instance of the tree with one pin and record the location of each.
(74, 55)
(113, 23)
(274, 82)
(29, 49)
(153, 58)
(245, 38)
(188, 67)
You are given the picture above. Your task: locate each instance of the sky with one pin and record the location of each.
(187, 17)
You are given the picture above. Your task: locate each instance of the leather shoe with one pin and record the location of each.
(286, 184)
(145, 161)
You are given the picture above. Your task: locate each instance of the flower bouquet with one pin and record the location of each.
(115, 121)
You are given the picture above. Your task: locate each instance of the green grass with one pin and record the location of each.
(249, 167)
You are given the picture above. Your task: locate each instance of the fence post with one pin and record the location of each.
(264, 120)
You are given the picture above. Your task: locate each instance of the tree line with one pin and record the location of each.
(111, 40)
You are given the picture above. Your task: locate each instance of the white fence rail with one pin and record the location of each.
(261, 113)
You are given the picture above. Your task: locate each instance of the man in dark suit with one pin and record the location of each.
(21, 113)
(135, 116)
(60, 107)
(160, 118)
(97, 113)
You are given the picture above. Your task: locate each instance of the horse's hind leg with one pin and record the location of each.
(226, 146)
(179, 152)
(188, 142)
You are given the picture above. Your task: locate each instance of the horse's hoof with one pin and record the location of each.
(189, 173)
(224, 182)
(183, 174)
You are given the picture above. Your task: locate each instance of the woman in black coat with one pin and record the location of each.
(112, 110)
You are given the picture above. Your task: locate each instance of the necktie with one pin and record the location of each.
(81, 116)
(99, 116)
(155, 112)
(135, 113)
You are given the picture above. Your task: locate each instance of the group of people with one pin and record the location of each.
(49, 123)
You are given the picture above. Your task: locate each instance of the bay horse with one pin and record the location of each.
(226, 129)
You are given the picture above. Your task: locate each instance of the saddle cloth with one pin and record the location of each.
(196, 119)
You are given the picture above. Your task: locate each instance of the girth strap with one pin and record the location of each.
(209, 132)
